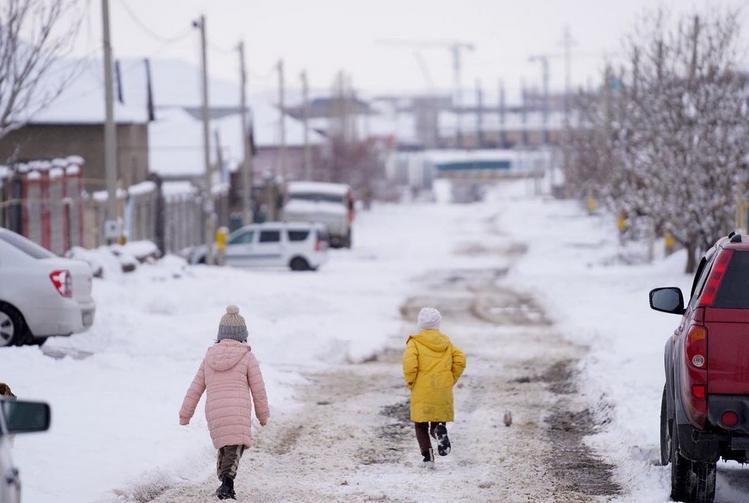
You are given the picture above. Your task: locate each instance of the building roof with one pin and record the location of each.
(176, 139)
(82, 98)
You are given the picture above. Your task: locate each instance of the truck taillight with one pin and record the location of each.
(63, 282)
(695, 354)
(697, 346)
(716, 276)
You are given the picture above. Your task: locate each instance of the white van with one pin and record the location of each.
(301, 246)
(330, 204)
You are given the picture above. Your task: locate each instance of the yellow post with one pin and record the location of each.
(221, 234)
(621, 222)
(670, 243)
(591, 204)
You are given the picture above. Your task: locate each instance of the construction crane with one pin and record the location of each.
(456, 49)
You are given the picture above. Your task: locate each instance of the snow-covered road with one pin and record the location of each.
(352, 441)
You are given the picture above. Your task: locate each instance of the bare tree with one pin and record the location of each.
(33, 35)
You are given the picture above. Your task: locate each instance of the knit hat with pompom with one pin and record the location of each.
(232, 326)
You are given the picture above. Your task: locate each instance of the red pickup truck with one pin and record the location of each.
(705, 406)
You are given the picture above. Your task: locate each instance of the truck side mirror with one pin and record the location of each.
(667, 300)
(25, 417)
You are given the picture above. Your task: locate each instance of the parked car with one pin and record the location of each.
(17, 417)
(330, 204)
(41, 294)
(300, 246)
(705, 404)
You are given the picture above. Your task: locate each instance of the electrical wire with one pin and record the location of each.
(145, 27)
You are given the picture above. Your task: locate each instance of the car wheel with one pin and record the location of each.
(36, 341)
(299, 264)
(12, 326)
(666, 428)
(691, 481)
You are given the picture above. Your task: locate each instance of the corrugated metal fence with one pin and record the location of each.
(45, 201)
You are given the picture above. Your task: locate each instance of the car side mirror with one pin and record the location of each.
(25, 417)
(667, 300)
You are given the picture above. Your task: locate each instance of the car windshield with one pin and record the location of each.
(316, 196)
(26, 245)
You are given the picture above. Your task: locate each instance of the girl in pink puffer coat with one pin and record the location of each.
(231, 374)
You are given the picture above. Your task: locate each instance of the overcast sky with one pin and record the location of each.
(325, 36)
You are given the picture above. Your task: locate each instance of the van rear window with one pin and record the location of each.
(298, 235)
(734, 289)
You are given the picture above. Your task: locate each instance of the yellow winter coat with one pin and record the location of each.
(432, 366)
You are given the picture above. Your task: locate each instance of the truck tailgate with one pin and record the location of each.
(727, 351)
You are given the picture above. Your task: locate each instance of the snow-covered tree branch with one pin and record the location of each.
(674, 122)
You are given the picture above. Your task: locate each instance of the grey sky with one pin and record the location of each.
(327, 35)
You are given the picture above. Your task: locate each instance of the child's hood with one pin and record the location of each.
(434, 340)
(226, 354)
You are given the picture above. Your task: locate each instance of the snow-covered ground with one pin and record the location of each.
(115, 412)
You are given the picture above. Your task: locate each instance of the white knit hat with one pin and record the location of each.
(429, 319)
(232, 326)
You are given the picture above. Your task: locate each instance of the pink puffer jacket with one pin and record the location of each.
(230, 372)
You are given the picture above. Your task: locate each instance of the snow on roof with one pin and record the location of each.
(267, 130)
(170, 189)
(338, 189)
(176, 139)
(175, 144)
(142, 188)
(82, 98)
(175, 83)
(297, 206)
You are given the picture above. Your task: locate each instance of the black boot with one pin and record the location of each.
(428, 461)
(443, 443)
(226, 491)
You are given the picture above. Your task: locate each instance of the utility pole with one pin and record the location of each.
(479, 115)
(282, 124)
(246, 147)
(209, 208)
(113, 228)
(305, 114)
(567, 43)
(502, 111)
(524, 115)
(544, 60)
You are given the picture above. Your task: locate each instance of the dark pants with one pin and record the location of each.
(423, 431)
(228, 461)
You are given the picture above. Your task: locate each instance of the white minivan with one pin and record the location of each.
(300, 246)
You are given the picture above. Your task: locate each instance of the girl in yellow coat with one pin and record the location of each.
(432, 366)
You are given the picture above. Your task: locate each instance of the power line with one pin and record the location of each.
(148, 30)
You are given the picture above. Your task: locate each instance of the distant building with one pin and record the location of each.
(73, 124)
